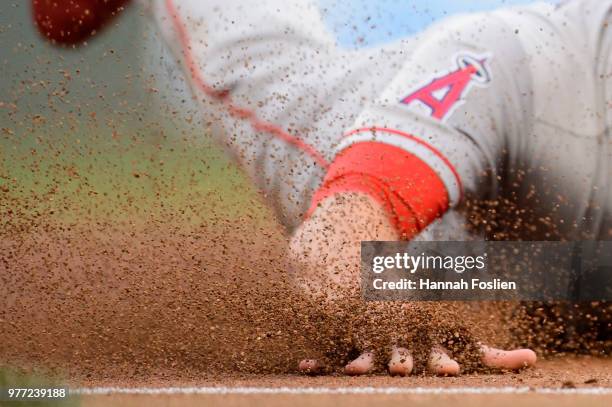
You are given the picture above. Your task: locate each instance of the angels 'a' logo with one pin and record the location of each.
(445, 93)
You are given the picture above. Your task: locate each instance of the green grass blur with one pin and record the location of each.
(101, 133)
(120, 178)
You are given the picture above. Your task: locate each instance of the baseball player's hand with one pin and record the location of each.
(326, 248)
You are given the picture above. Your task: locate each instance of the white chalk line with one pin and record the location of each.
(222, 390)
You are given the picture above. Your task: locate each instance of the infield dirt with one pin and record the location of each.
(161, 301)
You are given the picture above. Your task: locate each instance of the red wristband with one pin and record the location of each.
(411, 192)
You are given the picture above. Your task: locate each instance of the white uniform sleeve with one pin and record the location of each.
(500, 103)
(464, 92)
(264, 74)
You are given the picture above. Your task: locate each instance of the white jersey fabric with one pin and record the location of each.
(509, 106)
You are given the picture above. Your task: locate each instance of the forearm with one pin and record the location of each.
(326, 247)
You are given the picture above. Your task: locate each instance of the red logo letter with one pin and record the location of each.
(442, 94)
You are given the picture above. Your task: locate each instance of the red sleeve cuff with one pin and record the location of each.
(411, 192)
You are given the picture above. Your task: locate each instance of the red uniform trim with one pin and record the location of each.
(418, 140)
(411, 192)
(69, 22)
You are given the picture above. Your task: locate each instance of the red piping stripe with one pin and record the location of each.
(418, 140)
(224, 97)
